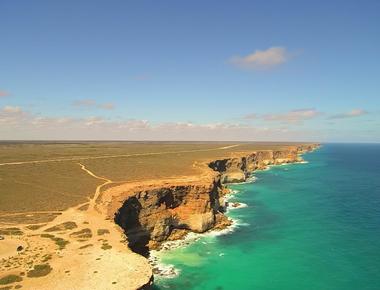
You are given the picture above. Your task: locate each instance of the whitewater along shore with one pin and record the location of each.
(153, 212)
(105, 242)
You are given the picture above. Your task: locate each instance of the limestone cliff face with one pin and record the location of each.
(156, 214)
(239, 168)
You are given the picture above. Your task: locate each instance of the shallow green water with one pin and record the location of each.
(307, 226)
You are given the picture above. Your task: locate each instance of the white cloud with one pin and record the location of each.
(17, 124)
(134, 124)
(351, 114)
(22, 125)
(262, 59)
(94, 121)
(11, 109)
(294, 116)
(13, 116)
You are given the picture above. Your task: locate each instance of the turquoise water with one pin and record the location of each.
(307, 226)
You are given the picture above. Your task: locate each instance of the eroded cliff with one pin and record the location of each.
(237, 169)
(152, 216)
(156, 213)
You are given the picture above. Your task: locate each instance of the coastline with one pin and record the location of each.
(162, 270)
(234, 170)
(124, 224)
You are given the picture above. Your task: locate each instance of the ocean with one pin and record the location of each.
(312, 226)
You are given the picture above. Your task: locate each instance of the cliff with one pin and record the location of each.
(152, 216)
(237, 169)
(153, 213)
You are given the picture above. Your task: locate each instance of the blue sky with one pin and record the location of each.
(190, 70)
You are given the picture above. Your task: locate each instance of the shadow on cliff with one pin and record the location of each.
(128, 219)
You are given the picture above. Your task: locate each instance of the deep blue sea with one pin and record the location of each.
(311, 226)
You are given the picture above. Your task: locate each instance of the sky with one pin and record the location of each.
(190, 70)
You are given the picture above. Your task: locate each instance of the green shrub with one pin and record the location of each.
(62, 227)
(61, 243)
(10, 279)
(11, 231)
(102, 232)
(39, 271)
(82, 234)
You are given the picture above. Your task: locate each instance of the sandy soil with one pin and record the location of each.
(96, 255)
(92, 252)
(83, 246)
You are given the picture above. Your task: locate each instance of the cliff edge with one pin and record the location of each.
(157, 211)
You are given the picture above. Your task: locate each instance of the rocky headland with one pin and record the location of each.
(151, 213)
(116, 229)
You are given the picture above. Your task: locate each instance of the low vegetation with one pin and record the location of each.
(11, 231)
(62, 227)
(106, 246)
(61, 243)
(39, 271)
(34, 227)
(82, 234)
(9, 279)
(85, 246)
(57, 185)
(102, 232)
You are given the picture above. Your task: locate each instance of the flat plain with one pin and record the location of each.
(41, 178)
(51, 227)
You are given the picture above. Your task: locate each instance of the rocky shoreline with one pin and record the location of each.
(154, 213)
(165, 213)
(125, 226)
(169, 271)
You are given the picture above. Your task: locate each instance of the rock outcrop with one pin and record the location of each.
(155, 214)
(151, 216)
(237, 169)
